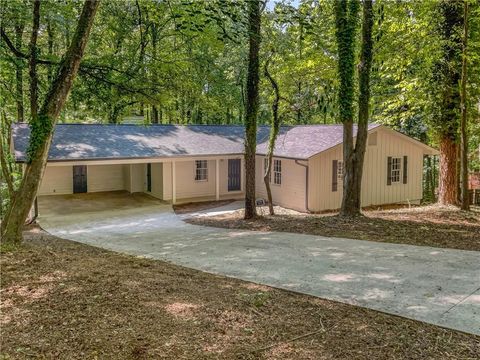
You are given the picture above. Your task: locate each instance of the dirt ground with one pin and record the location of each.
(65, 300)
(437, 226)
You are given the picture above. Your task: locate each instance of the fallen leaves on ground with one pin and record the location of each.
(437, 226)
(66, 300)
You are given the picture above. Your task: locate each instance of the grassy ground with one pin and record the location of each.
(67, 300)
(436, 226)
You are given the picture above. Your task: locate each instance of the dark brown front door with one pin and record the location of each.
(149, 177)
(234, 174)
(79, 179)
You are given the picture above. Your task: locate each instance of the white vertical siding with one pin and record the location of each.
(157, 180)
(167, 181)
(57, 180)
(187, 187)
(127, 175)
(291, 193)
(105, 178)
(375, 190)
(137, 177)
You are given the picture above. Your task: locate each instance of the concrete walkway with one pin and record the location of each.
(438, 286)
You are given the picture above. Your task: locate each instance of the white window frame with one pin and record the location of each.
(340, 170)
(201, 170)
(277, 172)
(396, 170)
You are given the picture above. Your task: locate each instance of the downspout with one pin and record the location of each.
(306, 183)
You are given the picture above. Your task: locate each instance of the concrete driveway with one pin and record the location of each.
(438, 286)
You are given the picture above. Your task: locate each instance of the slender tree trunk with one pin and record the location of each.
(154, 36)
(51, 40)
(155, 118)
(465, 200)
(42, 126)
(6, 170)
(274, 129)
(346, 19)
(351, 201)
(251, 109)
(447, 192)
(32, 65)
(19, 73)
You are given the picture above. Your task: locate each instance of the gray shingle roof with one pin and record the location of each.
(94, 142)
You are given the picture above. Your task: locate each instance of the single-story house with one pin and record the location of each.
(205, 162)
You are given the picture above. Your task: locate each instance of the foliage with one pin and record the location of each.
(186, 59)
(41, 127)
(346, 19)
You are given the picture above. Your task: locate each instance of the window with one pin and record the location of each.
(201, 170)
(277, 172)
(340, 169)
(396, 169)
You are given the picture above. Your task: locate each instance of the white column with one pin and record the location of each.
(217, 179)
(174, 183)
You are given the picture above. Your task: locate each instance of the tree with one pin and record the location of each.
(354, 156)
(251, 106)
(42, 126)
(446, 95)
(19, 70)
(346, 19)
(274, 129)
(464, 199)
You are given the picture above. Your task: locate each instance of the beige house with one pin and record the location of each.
(205, 162)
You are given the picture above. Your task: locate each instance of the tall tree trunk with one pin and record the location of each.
(346, 20)
(32, 65)
(154, 36)
(447, 192)
(42, 127)
(6, 170)
(274, 129)
(51, 40)
(155, 118)
(447, 75)
(465, 200)
(251, 108)
(352, 190)
(19, 73)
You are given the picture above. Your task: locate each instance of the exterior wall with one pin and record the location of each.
(105, 178)
(137, 177)
(167, 181)
(127, 175)
(57, 180)
(157, 180)
(188, 188)
(186, 185)
(291, 193)
(375, 190)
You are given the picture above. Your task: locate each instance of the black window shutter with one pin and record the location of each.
(334, 175)
(405, 169)
(389, 170)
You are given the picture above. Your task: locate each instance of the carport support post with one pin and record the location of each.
(217, 179)
(174, 183)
